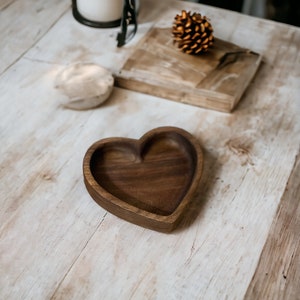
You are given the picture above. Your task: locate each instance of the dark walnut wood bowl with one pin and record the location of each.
(149, 181)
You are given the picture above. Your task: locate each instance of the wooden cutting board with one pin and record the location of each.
(214, 80)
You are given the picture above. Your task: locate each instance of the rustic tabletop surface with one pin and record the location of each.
(240, 236)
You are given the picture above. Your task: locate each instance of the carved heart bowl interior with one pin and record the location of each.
(149, 181)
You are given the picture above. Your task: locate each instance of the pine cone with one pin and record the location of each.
(193, 33)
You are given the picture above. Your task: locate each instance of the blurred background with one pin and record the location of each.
(285, 11)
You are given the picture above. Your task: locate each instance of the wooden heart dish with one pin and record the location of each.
(149, 181)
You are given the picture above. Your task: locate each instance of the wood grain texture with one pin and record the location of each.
(149, 181)
(216, 79)
(56, 242)
(18, 34)
(278, 272)
(5, 3)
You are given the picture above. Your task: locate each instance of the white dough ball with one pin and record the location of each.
(84, 85)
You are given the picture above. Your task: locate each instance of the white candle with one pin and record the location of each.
(100, 10)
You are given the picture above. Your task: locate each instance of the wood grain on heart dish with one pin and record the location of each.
(148, 181)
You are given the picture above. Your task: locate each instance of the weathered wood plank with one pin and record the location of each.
(5, 3)
(41, 187)
(215, 253)
(75, 42)
(214, 80)
(23, 23)
(55, 241)
(278, 272)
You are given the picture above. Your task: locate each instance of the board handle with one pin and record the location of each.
(128, 23)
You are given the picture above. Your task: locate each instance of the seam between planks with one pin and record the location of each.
(77, 257)
(36, 42)
(8, 5)
(260, 278)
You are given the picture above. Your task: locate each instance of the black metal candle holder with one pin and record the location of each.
(128, 22)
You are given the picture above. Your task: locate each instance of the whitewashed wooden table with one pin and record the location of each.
(240, 237)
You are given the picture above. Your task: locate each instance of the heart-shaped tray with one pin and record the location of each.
(148, 181)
